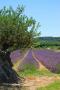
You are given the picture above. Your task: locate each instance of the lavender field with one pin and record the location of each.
(29, 61)
(49, 59)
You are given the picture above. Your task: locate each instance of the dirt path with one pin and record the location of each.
(32, 83)
(16, 65)
(41, 66)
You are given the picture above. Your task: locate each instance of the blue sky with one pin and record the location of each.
(47, 12)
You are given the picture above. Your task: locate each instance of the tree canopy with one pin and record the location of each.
(16, 29)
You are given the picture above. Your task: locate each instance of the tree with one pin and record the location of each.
(16, 29)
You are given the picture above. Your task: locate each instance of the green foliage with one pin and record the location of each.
(16, 29)
(47, 42)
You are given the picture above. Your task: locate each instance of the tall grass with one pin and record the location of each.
(31, 70)
(52, 86)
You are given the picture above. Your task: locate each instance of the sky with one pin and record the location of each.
(47, 12)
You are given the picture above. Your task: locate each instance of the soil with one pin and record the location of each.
(32, 83)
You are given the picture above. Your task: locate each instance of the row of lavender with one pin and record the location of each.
(49, 58)
(28, 62)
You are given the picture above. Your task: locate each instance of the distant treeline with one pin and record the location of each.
(50, 38)
(47, 42)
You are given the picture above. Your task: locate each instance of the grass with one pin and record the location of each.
(52, 86)
(30, 70)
